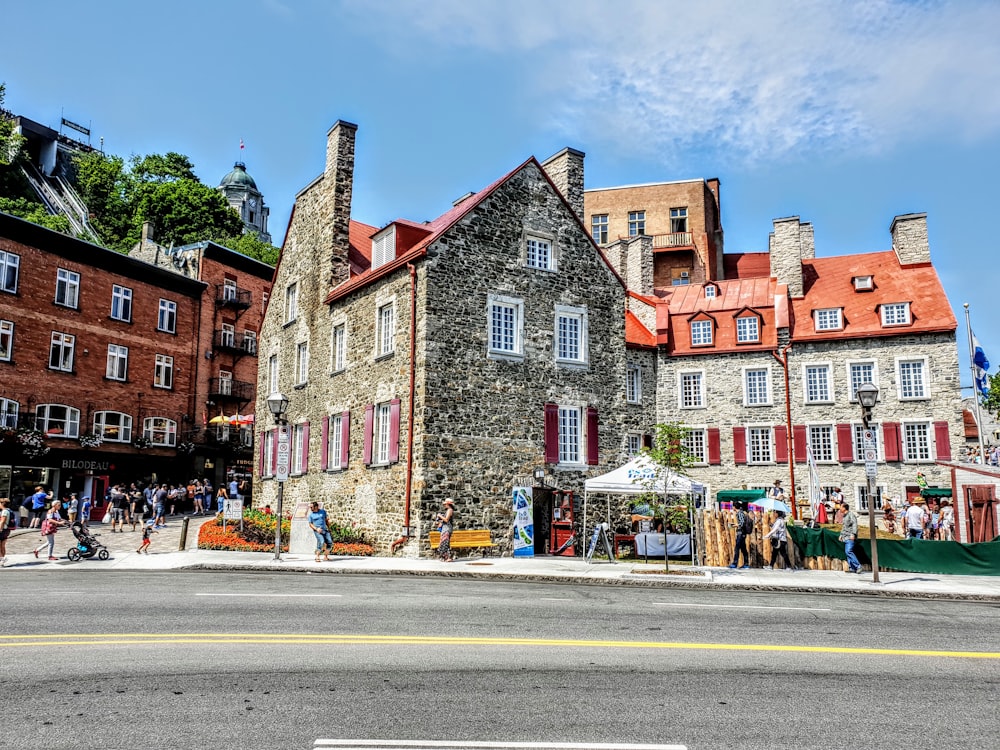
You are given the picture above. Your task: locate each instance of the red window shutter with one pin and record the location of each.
(369, 426)
(781, 443)
(740, 445)
(551, 433)
(714, 446)
(943, 441)
(845, 443)
(593, 450)
(394, 431)
(324, 443)
(305, 447)
(890, 431)
(274, 450)
(345, 438)
(263, 468)
(799, 438)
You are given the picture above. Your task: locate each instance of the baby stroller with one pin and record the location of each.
(86, 544)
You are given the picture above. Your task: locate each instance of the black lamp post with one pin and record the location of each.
(868, 396)
(278, 404)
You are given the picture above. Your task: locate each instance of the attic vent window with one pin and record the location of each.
(384, 247)
(863, 283)
(710, 291)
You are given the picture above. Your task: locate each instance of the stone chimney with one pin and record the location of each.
(565, 169)
(808, 241)
(147, 232)
(785, 249)
(909, 239)
(339, 179)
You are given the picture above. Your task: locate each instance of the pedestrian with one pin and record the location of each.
(947, 521)
(38, 503)
(6, 524)
(889, 516)
(849, 535)
(267, 509)
(837, 498)
(137, 505)
(321, 528)
(777, 491)
(147, 529)
(234, 488)
(53, 520)
(916, 519)
(119, 508)
(85, 506)
(199, 497)
(744, 527)
(779, 541)
(73, 507)
(934, 522)
(220, 498)
(174, 497)
(160, 507)
(446, 521)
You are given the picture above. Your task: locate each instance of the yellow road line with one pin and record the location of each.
(117, 639)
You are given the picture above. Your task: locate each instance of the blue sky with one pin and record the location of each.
(843, 113)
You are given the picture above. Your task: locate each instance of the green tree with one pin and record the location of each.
(991, 401)
(35, 212)
(252, 246)
(168, 167)
(669, 458)
(10, 142)
(106, 188)
(183, 211)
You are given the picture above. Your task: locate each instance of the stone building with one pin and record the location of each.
(242, 194)
(451, 358)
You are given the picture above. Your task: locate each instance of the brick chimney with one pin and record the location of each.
(339, 185)
(785, 249)
(565, 169)
(909, 239)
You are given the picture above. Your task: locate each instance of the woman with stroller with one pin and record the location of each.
(53, 520)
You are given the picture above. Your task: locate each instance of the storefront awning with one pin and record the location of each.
(935, 492)
(743, 496)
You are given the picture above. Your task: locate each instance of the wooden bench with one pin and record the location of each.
(466, 539)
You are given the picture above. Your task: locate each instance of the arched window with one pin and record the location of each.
(160, 431)
(56, 420)
(113, 426)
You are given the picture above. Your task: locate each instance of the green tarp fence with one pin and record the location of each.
(911, 555)
(731, 496)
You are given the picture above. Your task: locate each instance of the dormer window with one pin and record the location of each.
(747, 329)
(828, 319)
(384, 247)
(896, 314)
(710, 291)
(863, 283)
(701, 333)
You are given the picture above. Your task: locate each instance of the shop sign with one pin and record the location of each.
(69, 463)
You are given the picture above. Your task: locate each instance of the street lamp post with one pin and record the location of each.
(868, 395)
(278, 404)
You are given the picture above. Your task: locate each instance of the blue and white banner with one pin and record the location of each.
(980, 367)
(524, 522)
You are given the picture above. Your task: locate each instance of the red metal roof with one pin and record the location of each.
(829, 283)
(731, 294)
(636, 334)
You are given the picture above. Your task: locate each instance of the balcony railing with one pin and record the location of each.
(673, 239)
(232, 297)
(229, 389)
(241, 437)
(234, 343)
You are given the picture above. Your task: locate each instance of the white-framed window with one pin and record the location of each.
(291, 302)
(121, 303)
(756, 386)
(166, 318)
(858, 432)
(695, 442)
(384, 247)
(506, 326)
(818, 388)
(225, 383)
(335, 442)
(228, 290)
(636, 223)
(633, 384)
(301, 362)
(861, 494)
(599, 228)
(9, 411)
(820, 438)
(692, 389)
(571, 334)
(383, 433)
(57, 420)
(9, 265)
(538, 254)
(267, 466)
(249, 341)
(61, 351)
(117, 368)
(828, 319)
(298, 448)
(570, 435)
(760, 445)
(227, 335)
(338, 347)
(863, 283)
(860, 373)
(912, 379)
(917, 442)
(678, 220)
(634, 444)
(272, 374)
(67, 288)
(6, 340)
(711, 290)
(160, 431)
(747, 329)
(113, 426)
(163, 372)
(896, 314)
(385, 329)
(701, 332)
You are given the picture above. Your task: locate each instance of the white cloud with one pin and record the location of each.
(755, 81)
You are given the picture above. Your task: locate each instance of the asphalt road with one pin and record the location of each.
(228, 660)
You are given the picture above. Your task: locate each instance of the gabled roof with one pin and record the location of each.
(636, 334)
(828, 283)
(359, 253)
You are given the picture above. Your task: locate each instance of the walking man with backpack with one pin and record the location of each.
(744, 527)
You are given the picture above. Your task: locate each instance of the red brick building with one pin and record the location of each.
(97, 356)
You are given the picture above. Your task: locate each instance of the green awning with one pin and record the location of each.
(936, 492)
(743, 496)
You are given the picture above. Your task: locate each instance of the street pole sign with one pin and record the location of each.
(870, 448)
(281, 466)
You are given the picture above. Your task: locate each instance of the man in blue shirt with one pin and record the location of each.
(320, 527)
(38, 501)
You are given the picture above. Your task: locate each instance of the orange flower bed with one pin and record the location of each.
(212, 536)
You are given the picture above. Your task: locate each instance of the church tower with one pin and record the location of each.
(242, 193)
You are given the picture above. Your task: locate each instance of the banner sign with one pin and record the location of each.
(524, 523)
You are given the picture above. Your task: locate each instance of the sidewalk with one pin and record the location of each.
(166, 555)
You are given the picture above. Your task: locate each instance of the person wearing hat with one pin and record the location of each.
(446, 521)
(916, 518)
(777, 491)
(849, 535)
